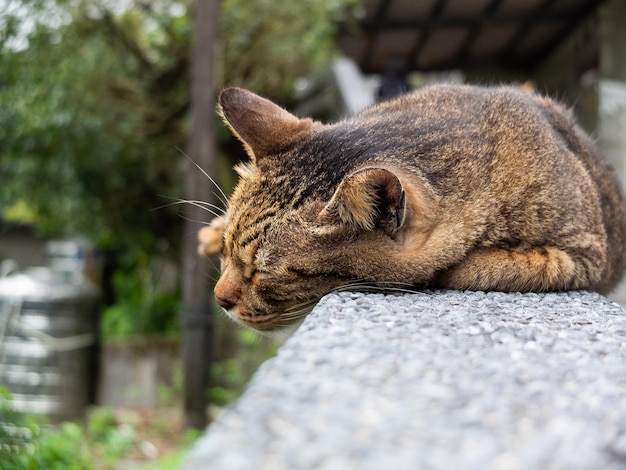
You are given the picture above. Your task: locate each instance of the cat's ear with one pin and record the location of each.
(261, 125)
(367, 199)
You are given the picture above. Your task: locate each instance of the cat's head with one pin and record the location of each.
(298, 225)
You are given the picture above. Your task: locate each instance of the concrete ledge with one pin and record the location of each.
(436, 380)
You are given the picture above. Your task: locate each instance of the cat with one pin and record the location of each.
(452, 186)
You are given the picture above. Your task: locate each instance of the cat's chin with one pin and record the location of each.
(279, 334)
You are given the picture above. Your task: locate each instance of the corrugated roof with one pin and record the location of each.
(446, 34)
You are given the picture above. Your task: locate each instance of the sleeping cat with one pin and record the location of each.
(452, 186)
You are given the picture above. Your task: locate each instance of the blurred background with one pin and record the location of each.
(107, 126)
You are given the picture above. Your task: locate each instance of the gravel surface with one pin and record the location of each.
(440, 379)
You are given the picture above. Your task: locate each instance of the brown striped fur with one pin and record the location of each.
(452, 186)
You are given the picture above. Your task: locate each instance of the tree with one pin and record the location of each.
(94, 107)
(94, 104)
(267, 44)
(91, 114)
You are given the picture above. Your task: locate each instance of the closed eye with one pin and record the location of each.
(301, 273)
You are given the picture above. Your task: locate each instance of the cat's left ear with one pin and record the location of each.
(367, 199)
(261, 125)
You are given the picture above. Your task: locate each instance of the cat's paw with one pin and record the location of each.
(210, 238)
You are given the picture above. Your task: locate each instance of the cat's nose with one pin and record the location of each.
(227, 290)
(226, 304)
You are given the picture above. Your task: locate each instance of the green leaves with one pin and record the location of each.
(268, 44)
(141, 307)
(93, 109)
(79, 111)
(26, 444)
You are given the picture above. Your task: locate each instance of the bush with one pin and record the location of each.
(18, 433)
(27, 443)
(140, 307)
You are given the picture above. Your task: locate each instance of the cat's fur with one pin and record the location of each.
(453, 186)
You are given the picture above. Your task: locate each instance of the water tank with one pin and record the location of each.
(48, 342)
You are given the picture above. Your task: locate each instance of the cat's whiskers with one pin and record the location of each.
(214, 207)
(302, 309)
(296, 312)
(211, 277)
(221, 196)
(301, 305)
(379, 286)
(207, 206)
(305, 307)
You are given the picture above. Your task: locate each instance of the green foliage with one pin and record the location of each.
(229, 375)
(17, 434)
(62, 448)
(229, 379)
(93, 108)
(141, 307)
(109, 441)
(175, 460)
(27, 443)
(267, 44)
(86, 127)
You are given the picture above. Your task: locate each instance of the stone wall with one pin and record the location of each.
(440, 379)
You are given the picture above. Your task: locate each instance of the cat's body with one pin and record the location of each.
(452, 186)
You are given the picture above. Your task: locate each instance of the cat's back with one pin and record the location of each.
(455, 130)
(461, 133)
(451, 119)
(510, 151)
(447, 104)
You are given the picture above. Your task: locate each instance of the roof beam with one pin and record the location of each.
(379, 21)
(512, 52)
(524, 29)
(432, 23)
(422, 38)
(472, 35)
(586, 11)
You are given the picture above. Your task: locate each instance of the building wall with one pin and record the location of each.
(571, 73)
(612, 85)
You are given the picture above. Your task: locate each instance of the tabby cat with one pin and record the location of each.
(456, 186)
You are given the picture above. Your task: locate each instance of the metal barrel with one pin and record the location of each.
(48, 342)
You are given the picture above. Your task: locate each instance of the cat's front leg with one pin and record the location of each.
(211, 237)
(536, 269)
